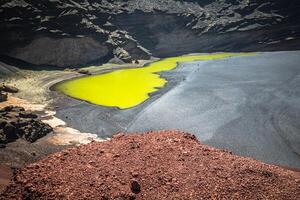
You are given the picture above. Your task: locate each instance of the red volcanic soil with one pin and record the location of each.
(155, 165)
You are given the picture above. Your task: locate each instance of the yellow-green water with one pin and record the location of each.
(127, 88)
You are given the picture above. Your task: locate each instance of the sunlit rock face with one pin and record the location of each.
(92, 31)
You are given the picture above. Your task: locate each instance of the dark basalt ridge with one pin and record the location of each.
(78, 32)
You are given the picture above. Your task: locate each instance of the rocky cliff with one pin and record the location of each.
(78, 32)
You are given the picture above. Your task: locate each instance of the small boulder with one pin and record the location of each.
(10, 132)
(3, 97)
(24, 122)
(3, 122)
(135, 187)
(26, 114)
(83, 71)
(18, 109)
(35, 130)
(7, 109)
(8, 88)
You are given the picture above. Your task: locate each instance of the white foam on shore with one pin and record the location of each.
(65, 135)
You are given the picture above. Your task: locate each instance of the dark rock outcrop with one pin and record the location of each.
(78, 32)
(3, 96)
(4, 89)
(17, 123)
(83, 71)
(8, 88)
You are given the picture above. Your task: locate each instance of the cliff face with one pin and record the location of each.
(78, 32)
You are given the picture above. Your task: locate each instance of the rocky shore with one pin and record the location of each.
(154, 165)
(27, 135)
(16, 122)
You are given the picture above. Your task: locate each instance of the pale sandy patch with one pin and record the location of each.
(63, 135)
(15, 101)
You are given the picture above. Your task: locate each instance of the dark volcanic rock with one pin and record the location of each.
(78, 32)
(35, 130)
(16, 123)
(26, 114)
(11, 108)
(8, 88)
(83, 71)
(10, 132)
(135, 187)
(3, 96)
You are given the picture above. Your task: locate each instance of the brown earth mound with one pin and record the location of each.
(155, 165)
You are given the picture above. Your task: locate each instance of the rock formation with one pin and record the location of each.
(4, 89)
(17, 123)
(78, 32)
(8, 88)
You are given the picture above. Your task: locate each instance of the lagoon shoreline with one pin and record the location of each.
(84, 122)
(105, 121)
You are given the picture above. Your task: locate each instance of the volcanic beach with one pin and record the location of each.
(215, 94)
(248, 105)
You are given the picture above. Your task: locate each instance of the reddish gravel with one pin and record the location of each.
(155, 165)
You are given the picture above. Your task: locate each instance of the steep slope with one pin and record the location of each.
(6, 69)
(136, 29)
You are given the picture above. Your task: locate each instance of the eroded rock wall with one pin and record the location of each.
(78, 32)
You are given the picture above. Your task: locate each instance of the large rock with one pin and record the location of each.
(35, 130)
(10, 132)
(3, 96)
(16, 123)
(8, 88)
